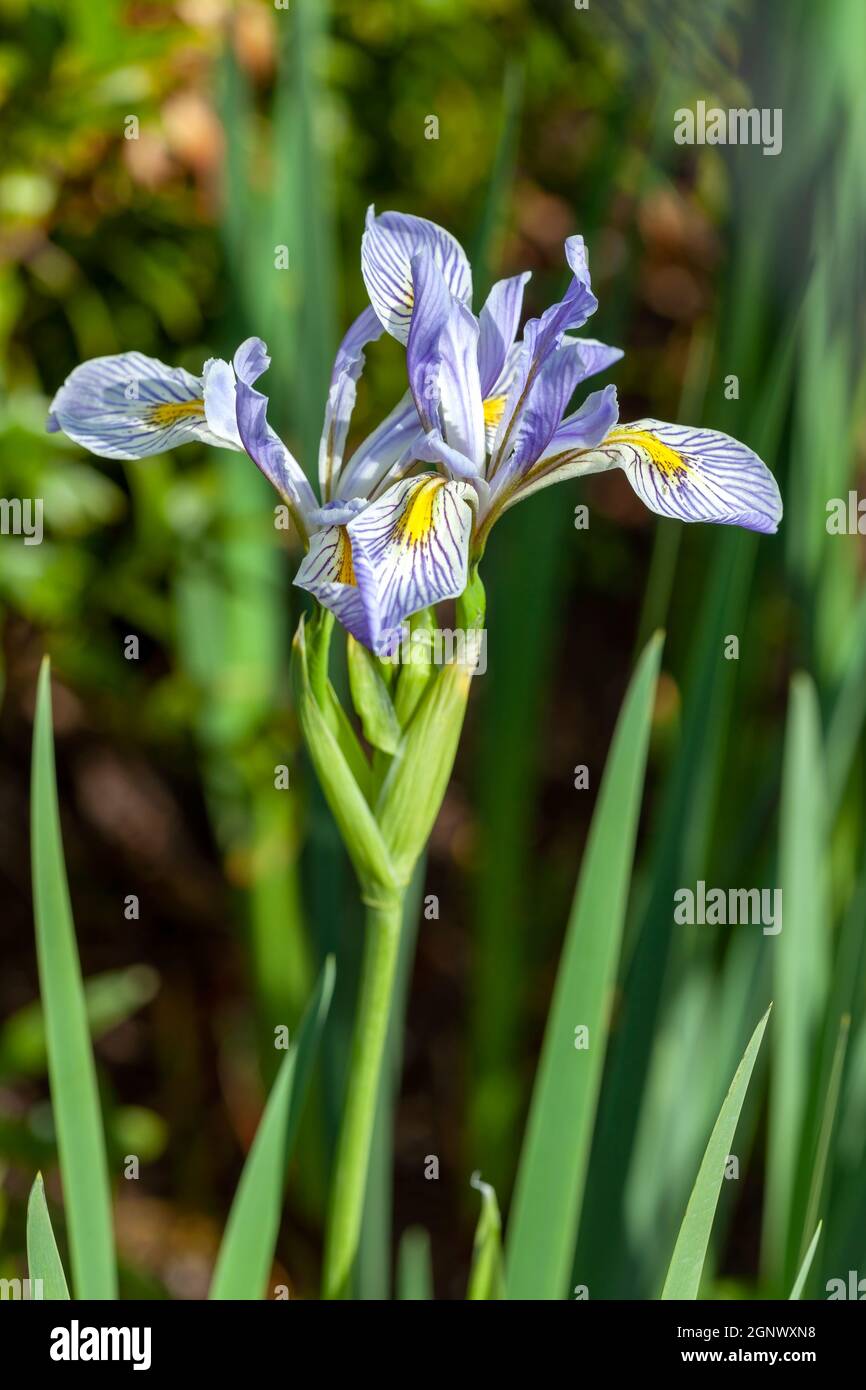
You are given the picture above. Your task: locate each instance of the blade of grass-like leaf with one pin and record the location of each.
(801, 974)
(687, 1262)
(828, 1120)
(487, 1275)
(247, 1249)
(522, 612)
(71, 1071)
(43, 1257)
(546, 1210)
(800, 1281)
(414, 1270)
(678, 850)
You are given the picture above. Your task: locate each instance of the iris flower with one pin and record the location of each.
(401, 523)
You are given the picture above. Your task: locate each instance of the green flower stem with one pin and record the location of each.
(349, 1176)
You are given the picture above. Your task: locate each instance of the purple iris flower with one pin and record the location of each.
(485, 422)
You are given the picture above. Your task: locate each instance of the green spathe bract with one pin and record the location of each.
(385, 811)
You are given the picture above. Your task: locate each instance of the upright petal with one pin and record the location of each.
(348, 365)
(130, 406)
(389, 243)
(578, 303)
(394, 442)
(544, 335)
(498, 322)
(432, 308)
(564, 455)
(693, 474)
(546, 398)
(442, 362)
(460, 401)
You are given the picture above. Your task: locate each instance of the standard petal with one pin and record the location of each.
(539, 419)
(442, 363)
(130, 406)
(460, 402)
(498, 322)
(348, 365)
(565, 454)
(433, 305)
(543, 336)
(268, 451)
(388, 245)
(693, 474)
(414, 542)
(394, 442)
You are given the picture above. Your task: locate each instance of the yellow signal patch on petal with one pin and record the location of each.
(416, 520)
(670, 462)
(169, 412)
(345, 569)
(494, 407)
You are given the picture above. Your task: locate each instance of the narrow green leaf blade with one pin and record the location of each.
(687, 1262)
(800, 1281)
(247, 1249)
(414, 1266)
(487, 1275)
(550, 1180)
(801, 976)
(43, 1257)
(71, 1071)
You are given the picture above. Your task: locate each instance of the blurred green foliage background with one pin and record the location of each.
(256, 126)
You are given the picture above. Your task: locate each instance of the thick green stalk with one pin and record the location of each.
(349, 1176)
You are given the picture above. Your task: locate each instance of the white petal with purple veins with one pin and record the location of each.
(388, 245)
(130, 406)
(693, 474)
